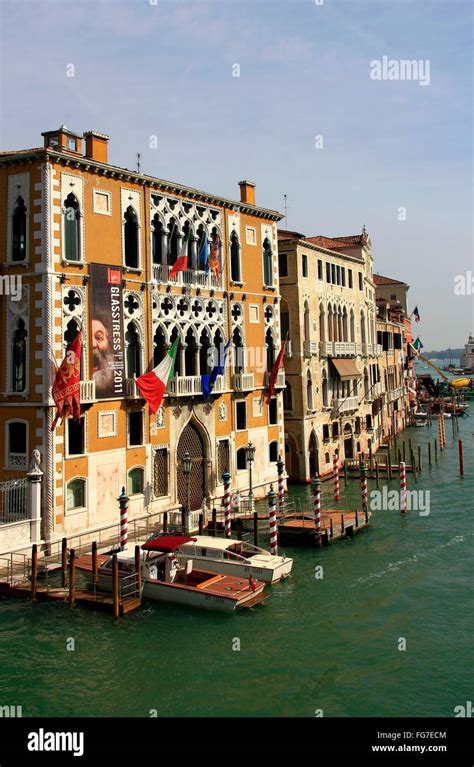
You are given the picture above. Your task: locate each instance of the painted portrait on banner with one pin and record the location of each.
(107, 340)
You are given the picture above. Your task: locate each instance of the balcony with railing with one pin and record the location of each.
(87, 392)
(242, 382)
(193, 278)
(339, 349)
(310, 348)
(395, 394)
(280, 379)
(344, 404)
(131, 389)
(191, 386)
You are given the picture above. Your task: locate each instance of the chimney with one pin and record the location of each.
(96, 146)
(247, 192)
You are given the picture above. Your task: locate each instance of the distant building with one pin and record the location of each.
(74, 222)
(467, 359)
(332, 368)
(392, 291)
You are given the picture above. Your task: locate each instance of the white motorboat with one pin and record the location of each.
(239, 558)
(167, 578)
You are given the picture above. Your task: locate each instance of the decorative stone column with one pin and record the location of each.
(34, 477)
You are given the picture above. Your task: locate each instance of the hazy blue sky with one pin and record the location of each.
(143, 69)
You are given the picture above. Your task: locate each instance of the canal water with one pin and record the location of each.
(329, 644)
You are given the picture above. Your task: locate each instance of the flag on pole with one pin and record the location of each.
(66, 390)
(276, 367)
(214, 258)
(181, 263)
(208, 381)
(204, 253)
(416, 313)
(152, 385)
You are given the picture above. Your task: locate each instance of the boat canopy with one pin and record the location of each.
(166, 543)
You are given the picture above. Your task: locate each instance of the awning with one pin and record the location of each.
(346, 369)
(166, 543)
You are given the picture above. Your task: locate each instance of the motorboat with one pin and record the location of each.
(167, 578)
(238, 558)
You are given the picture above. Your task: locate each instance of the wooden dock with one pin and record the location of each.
(82, 597)
(336, 525)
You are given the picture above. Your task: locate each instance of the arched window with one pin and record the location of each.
(306, 322)
(157, 242)
(267, 263)
(330, 325)
(190, 354)
(76, 494)
(241, 458)
(172, 241)
(130, 238)
(309, 391)
(187, 246)
(273, 452)
(270, 344)
(238, 345)
(72, 329)
(205, 362)
(322, 330)
(344, 325)
(235, 257)
(363, 336)
(19, 357)
(352, 326)
(136, 481)
(325, 390)
(177, 359)
(72, 228)
(159, 346)
(288, 397)
(366, 383)
(284, 320)
(132, 343)
(19, 231)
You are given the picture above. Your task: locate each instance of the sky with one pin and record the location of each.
(159, 77)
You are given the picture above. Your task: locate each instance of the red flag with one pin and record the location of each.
(276, 367)
(66, 390)
(214, 260)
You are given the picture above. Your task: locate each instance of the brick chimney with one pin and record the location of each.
(247, 192)
(96, 146)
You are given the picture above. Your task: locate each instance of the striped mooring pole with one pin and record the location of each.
(272, 519)
(227, 512)
(123, 502)
(281, 489)
(335, 474)
(403, 487)
(363, 486)
(316, 483)
(443, 424)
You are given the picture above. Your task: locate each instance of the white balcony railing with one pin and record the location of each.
(339, 348)
(242, 381)
(190, 278)
(325, 348)
(310, 348)
(131, 389)
(378, 350)
(185, 386)
(395, 394)
(87, 392)
(280, 379)
(342, 405)
(377, 389)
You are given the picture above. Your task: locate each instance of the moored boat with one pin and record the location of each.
(166, 578)
(239, 558)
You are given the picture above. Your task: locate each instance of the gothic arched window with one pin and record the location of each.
(19, 231)
(235, 258)
(72, 228)
(130, 238)
(19, 357)
(132, 343)
(267, 263)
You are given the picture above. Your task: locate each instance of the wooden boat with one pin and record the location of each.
(239, 558)
(167, 579)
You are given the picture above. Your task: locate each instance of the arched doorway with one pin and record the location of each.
(313, 455)
(291, 459)
(191, 441)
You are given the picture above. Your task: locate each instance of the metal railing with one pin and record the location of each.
(87, 391)
(242, 381)
(189, 278)
(14, 501)
(128, 586)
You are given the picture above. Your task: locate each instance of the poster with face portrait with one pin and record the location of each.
(107, 341)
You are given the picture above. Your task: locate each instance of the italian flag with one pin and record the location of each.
(181, 263)
(153, 385)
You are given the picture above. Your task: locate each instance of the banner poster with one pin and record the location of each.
(107, 339)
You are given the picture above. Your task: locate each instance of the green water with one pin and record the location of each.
(329, 644)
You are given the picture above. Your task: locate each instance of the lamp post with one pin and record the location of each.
(187, 468)
(250, 455)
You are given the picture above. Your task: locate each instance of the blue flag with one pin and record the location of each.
(204, 253)
(208, 381)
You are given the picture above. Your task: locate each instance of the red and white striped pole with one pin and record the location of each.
(443, 426)
(403, 488)
(335, 474)
(281, 488)
(316, 483)
(123, 501)
(272, 518)
(227, 512)
(363, 486)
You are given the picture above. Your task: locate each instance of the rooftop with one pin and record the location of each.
(379, 279)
